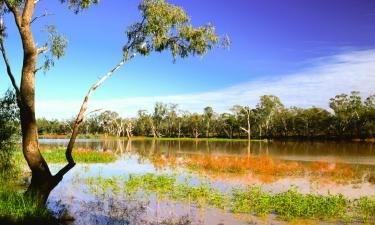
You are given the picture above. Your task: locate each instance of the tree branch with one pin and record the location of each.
(93, 111)
(7, 64)
(82, 111)
(42, 50)
(16, 13)
(247, 131)
(41, 16)
(58, 177)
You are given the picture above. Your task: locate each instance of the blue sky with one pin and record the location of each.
(305, 51)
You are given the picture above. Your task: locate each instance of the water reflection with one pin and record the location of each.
(313, 167)
(345, 152)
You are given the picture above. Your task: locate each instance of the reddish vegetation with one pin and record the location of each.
(83, 151)
(263, 165)
(53, 136)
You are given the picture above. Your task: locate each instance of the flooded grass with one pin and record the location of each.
(289, 205)
(80, 156)
(15, 207)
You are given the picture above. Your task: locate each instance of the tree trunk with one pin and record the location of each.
(42, 181)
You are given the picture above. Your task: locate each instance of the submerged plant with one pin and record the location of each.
(252, 199)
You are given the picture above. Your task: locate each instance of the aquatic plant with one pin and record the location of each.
(252, 199)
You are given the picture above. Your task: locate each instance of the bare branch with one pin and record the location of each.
(42, 49)
(7, 64)
(93, 111)
(247, 131)
(82, 111)
(16, 13)
(41, 16)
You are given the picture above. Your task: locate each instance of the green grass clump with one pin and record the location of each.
(16, 207)
(252, 200)
(364, 209)
(291, 204)
(80, 156)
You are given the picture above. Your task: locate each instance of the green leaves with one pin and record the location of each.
(79, 5)
(54, 48)
(167, 27)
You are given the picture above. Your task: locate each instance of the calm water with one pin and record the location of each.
(318, 167)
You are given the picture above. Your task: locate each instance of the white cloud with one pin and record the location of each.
(313, 86)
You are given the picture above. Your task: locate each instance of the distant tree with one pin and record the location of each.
(349, 110)
(208, 116)
(266, 111)
(243, 114)
(158, 118)
(172, 120)
(229, 124)
(195, 122)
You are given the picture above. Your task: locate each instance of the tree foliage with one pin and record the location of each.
(269, 119)
(79, 5)
(168, 27)
(9, 128)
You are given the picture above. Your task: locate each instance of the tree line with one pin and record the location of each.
(350, 116)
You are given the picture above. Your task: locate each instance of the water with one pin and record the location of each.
(346, 168)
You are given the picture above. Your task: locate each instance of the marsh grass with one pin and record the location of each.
(15, 207)
(289, 205)
(79, 155)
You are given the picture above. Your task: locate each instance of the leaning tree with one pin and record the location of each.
(163, 27)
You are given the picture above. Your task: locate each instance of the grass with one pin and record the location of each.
(79, 155)
(15, 207)
(290, 205)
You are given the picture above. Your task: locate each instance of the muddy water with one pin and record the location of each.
(311, 167)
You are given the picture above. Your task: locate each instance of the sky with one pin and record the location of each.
(304, 51)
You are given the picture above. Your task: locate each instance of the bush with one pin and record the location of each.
(9, 130)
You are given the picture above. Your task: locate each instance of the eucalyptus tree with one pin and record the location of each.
(208, 114)
(229, 124)
(243, 114)
(158, 118)
(369, 123)
(348, 111)
(267, 109)
(163, 27)
(172, 120)
(195, 122)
